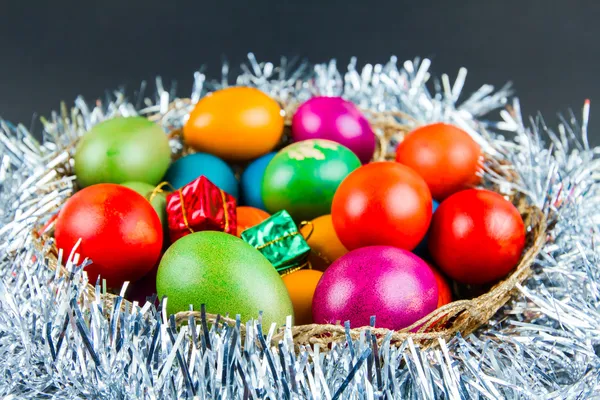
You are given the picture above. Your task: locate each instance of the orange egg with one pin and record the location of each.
(444, 155)
(247, 217)
(301, 286)
(323, 241)
(236, 124)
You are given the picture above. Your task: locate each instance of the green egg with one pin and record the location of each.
(158, 199)
(303, 177)
(224, 273)
(122, 149)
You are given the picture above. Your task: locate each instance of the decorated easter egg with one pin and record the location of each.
(325, 246)
(235, 123)
(303, 177)
(392, 284)
(247, 217)
(336, 119)
(224, 273)
(382, 203)
(301, 287)
(476, 236)
(421, 249)
(119, 230)
(155, 196)
(120, 150)
(190, 167)
(251, 181)
(444, 290)
(445, 156)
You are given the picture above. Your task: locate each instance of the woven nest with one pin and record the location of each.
(476, 306)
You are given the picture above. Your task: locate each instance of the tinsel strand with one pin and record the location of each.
(56, 343)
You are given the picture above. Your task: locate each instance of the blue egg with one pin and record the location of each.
(190, 167)
(421, 249)
(252, 180)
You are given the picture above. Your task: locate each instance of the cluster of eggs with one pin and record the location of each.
(384, 234)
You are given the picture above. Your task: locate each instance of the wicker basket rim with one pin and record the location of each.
(463, 316)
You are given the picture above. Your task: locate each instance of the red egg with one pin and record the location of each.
(382, 203)
(120, 232)
(445, 156)
(444, 291)
(476, 236)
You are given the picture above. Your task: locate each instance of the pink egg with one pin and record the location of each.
(335, 119)
(394, 285)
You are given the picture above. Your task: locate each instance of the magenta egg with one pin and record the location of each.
(335, 119)
(392, 284)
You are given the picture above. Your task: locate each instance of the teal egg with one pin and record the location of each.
(192, 166)
(224, 273)
(303, 177)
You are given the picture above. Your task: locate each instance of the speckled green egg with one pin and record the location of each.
(158, 199)
(224, 273)
(303, 177)
(122, 149)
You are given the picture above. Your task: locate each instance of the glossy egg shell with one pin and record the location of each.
(382, 203)
(476, 236)
(303, 178)
(334, 118)
(235, 124)
(120, 231)
(445, 156)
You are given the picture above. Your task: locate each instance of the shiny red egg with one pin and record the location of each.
(119, 230)
(381, 203)
(476, 236)
(445, 156)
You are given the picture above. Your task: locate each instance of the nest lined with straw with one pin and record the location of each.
(462, 316)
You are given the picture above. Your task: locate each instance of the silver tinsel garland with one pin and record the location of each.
(545, 343)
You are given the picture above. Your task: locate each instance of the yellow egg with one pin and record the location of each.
(236, 124)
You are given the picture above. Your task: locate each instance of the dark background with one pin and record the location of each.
(56, 50)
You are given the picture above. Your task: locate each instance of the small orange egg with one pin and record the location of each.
(236, 124)
(323, 241)
(247, 217)
(301, 286)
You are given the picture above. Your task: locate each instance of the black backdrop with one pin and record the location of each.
(55, 50)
